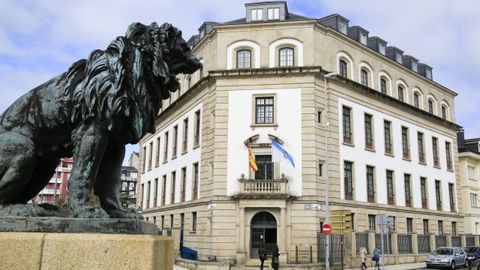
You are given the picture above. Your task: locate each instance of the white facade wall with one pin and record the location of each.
(182, 160)
(240, 128)
(361, 158)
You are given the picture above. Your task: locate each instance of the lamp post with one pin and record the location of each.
(327, 207)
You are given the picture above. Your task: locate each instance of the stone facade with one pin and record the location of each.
(235, 210)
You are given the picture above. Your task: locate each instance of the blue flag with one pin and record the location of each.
(281, 155)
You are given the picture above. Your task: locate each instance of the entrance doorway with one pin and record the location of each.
(263, 233)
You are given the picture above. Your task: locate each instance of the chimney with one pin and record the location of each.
(460, 138)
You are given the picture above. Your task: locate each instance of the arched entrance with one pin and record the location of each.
(263, 233)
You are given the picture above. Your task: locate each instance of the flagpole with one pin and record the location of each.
(327, 206)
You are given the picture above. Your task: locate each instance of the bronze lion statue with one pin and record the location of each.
(90, 112)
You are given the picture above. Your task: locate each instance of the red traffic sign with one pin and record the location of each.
(326, 229)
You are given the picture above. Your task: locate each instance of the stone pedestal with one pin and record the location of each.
(85, 251)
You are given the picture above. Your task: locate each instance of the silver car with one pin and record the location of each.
(450, 257)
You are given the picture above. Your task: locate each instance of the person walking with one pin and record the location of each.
(363, 258)
(262, 255)
(275, 259)
(376, 256)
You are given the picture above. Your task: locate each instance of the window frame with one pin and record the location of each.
(405, 143)
(195, 180)
(255, 110)
(288, 57)
(407, 181)
(244, 63)
(369, 131)
(256, 14)
(347, 129)
(364, 77)
(343, 68)
(275, 12)
(370, 179)
(387, 137)
(390, 186)
(421, 147)
(350, 191)
(424, 192)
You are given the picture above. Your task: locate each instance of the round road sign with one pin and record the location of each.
(326, 229)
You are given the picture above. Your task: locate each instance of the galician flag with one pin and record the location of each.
(281, 155)
(251, 159)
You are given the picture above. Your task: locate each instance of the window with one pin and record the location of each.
(342, 27)
(390, 189)
(150, 156)
(416, 100)
(383, 86)
(440, 227)
(370, 184)
(196, 134)
(364, 77)
(371, 222)
(343, 68)
(438, 195)
(430, 106)
(423, 192)
(398, 57)
(157, 154)
(348, 179)
(149, 183)
(183, 183)
(409, 225)
(444, 112)
(182, 221)
(421, 148)
(401, 94)
(405, 143)
(347, 125)
(143, 192)
(164, 188)
(451, 196)
(368, 132)
(195, 182)
(474, 200)
(436, 162)
(425, 227)
(185, 136)
(319, 116)
(363, 38)
(448, 155)
(144, 158)
(264, 113)
(454, 228)
(285, 57)
(408, 191)
(162, 222)
(172, 187)
(265, 167)
(257, 15)
(387, 130)
(471, 173)
(244, 59)
(155, 193)
(174, 141)
(172, 218)
(320, 167)
(194, 221)
(273, 13)
(165, 148)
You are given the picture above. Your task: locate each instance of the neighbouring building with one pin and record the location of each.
(469, 167)
(56, 191)
(128, 189)
(392, 147)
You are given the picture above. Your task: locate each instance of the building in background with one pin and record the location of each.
(263, 89)
(56, 191)
(469, 168)
(128, 190)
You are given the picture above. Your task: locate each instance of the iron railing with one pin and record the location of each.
(440, 241)
(405, 244)
(423, 241)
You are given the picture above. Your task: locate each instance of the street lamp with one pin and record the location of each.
(327, 207)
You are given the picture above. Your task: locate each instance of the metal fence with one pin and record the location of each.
(456, 241)
(440, 241)
(335, 248)
(470, 240)
(387, 243)
(423, 243)
(405, 244)
(361, 241)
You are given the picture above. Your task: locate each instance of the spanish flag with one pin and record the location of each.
(251, 159)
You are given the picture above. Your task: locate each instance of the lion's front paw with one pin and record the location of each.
(125, 213)
(89, 212)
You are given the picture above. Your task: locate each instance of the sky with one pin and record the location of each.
(40, 39)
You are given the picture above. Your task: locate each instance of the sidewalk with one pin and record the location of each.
(408, 266)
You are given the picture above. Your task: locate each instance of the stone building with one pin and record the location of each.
(391, 132)
(56, 190)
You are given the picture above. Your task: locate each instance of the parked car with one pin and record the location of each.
(450, 257)
(474, 265)
(473, 253)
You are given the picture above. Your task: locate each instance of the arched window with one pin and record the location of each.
(401, 93)
(343, 68)
(285, 57)
(244, 59)
(416, 100)
(383, 86)
(444, 112)
(364, 77)
(430, 106)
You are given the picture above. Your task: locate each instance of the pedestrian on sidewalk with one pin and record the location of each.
(363, 257)
(376, 256)
(275, 258)
(262, 255)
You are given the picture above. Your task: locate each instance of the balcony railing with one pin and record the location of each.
(266, 188)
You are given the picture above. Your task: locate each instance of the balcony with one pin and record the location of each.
(269, 188)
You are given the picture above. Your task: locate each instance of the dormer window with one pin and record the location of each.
(257, 14)
(273, 13)
(363, 38)
(382, 49)
(398, 58)
(414, 66)
(202, 33)
(428, 74)
(342, 27)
